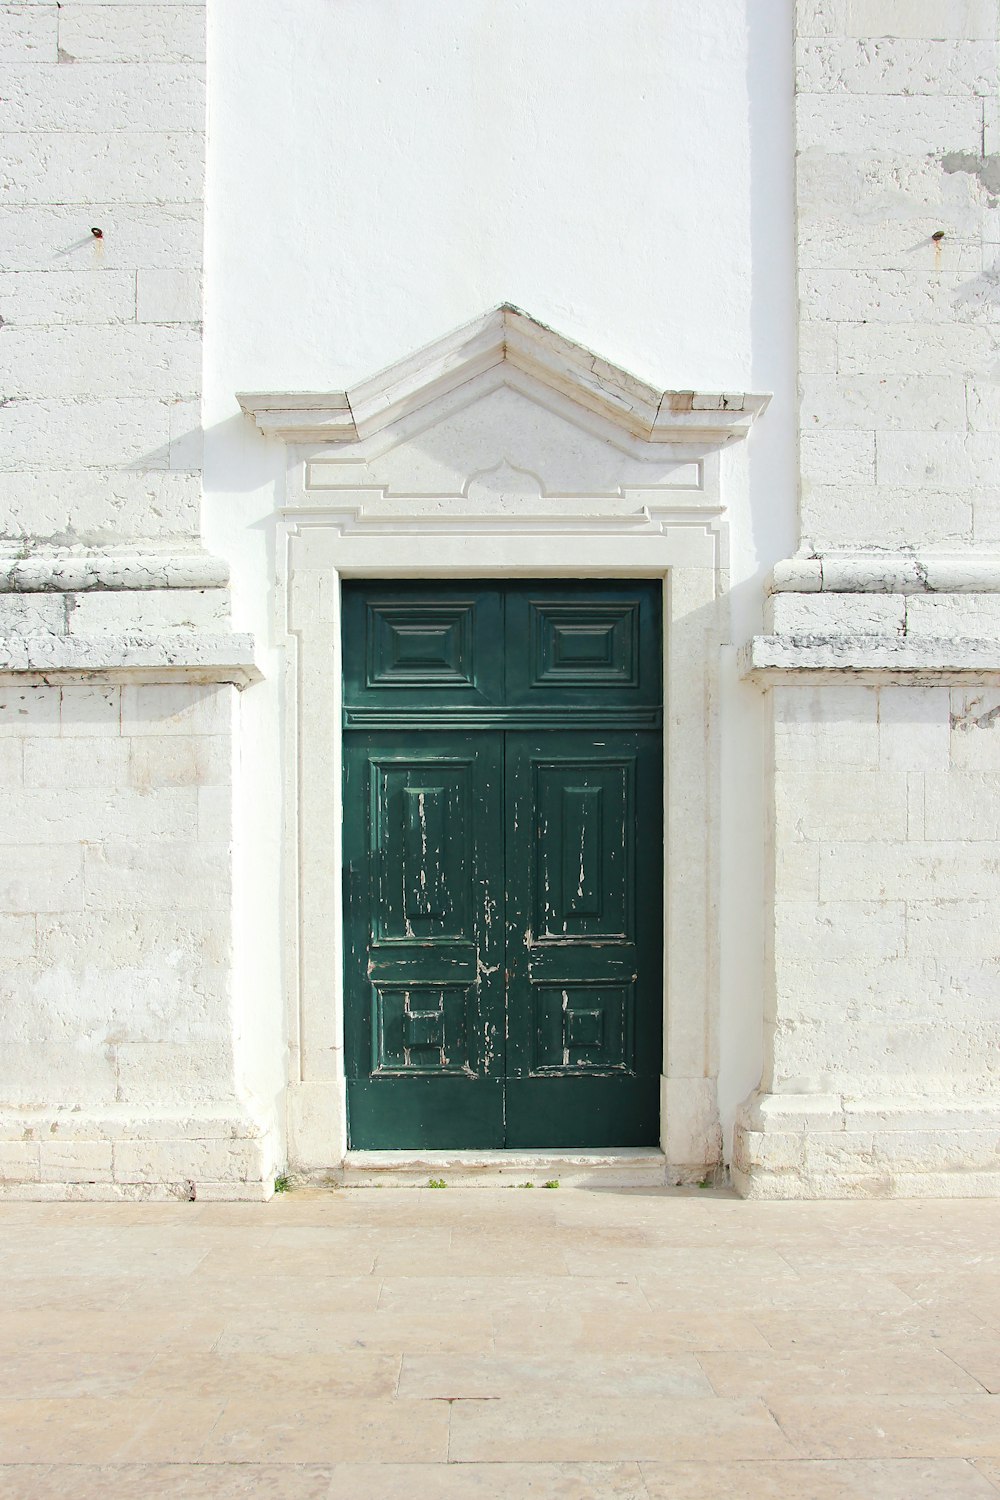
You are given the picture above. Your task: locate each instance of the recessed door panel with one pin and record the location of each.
(584, 990)
(423, 982)
(503, 878)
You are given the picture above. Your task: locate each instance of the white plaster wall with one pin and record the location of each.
(379, 174)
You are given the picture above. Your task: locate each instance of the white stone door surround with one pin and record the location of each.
(503, 451)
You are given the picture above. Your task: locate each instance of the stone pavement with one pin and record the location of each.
(369, 1343)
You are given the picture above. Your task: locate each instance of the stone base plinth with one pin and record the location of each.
(837, 1146)
(62, 1155)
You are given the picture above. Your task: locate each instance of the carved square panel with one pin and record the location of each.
(420, 645)
(420, 1028)
(585, 644)
(583, 1028)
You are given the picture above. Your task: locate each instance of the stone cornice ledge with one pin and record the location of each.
(776, 658)
(140, 656)
(71, 572)
(504, 335)
(886, 573)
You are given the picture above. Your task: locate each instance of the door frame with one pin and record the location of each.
(322, 539)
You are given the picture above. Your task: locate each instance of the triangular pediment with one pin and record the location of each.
(505, 336)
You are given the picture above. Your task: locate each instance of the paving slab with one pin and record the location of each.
(591, 1343)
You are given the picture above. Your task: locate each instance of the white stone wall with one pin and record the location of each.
(119, 1023)
(898, 135)
(100, 348)
(882, 1018)
(116, 1024)
(898, 131)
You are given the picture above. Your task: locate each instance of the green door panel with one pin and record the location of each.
(584, 948)
(423, 979)
(503, 863)
(583, 644)
(408, 645)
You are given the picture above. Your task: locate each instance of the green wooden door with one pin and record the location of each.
(503, 864)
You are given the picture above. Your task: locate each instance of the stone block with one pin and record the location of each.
(28, 711)
(109, 1006)
(930, 406)
(130, 935)
(914, 728)
(215, 1160)
(19, 1161)
(90, 709)
(839, 457)
(186, 435)
(975, 729)
(947, 616)
(75, 1161)
(41, 878)
(962, 805)
(886, 297)
(103, 167)
(896, 65)
(898, 349)
(77, 762)
(838, 515)
(34, 814)
(166, 708)
(156, 875)
(826, 806)
(899, 123)
(32, 614)
(830, 726)
(827, 613)
(943, 927)
(909, 872)
(69, 434)
(195, 760)
(168, 1075)
(135, 235)
(852, 190)
(817, 347)
(983, 400)
(870, 242)
(18, 938)
(953, 20)
(12, 761)
(47, 1074)
(796, 871)
(949, 460)
(119, 96)
(113, 611)
(100, 506)
(29, 33)
(819, 17)
(117, 360)
(132, 33)
(168, 296)
(215, 813)
(833, 930)
(36, 298)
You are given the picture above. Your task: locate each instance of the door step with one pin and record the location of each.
(641, 1166)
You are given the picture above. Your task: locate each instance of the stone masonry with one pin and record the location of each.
(881, 1027)
(117, 668)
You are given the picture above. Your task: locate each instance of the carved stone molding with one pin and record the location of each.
(505, 335)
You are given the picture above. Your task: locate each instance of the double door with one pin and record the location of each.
(503, 864)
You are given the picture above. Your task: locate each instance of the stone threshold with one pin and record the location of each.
(641, 1166)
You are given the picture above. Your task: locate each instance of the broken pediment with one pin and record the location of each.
(527, 356)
